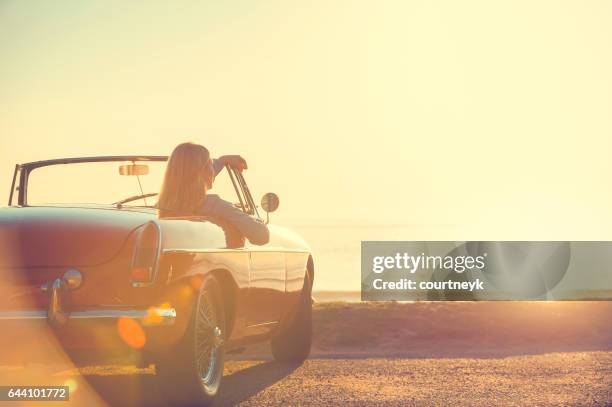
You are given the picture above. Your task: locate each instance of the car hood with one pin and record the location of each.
(53, 236)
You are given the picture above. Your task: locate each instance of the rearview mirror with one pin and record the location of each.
(269, 202)
(134, 169)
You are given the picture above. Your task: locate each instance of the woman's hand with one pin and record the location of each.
(234, 161)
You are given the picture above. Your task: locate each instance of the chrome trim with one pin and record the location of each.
(56, 314)
(139, 284)
(10, 201)
(239, 250)
(22, 315)
(148, 317)
(253, 248)
(73, 278)
(244, 207)
(263, 324)
(247, 193)
(96, 159)
(188, 250)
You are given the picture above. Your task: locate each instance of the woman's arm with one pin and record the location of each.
(234, 161)
(251, 228)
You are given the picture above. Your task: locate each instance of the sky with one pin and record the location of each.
(469, 120)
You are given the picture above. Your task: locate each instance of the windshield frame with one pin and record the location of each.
(22, 174)
(22, 171)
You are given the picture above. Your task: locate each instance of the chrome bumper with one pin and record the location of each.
(58, 316)
(148, 317)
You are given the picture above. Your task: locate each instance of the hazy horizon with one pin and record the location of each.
(490, 119)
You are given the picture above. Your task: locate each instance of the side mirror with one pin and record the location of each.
(134, 169)
(269, 202)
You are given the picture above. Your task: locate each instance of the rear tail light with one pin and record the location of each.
(141, 274)
(146, 254)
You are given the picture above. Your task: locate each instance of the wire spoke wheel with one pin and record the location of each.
(191, 373)
(208, 339)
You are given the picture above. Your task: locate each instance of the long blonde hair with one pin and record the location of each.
(189, 174)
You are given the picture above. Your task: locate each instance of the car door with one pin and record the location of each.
(266, 286)
(267, 274)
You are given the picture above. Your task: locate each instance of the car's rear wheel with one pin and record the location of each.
(191, 373)
(293, 344)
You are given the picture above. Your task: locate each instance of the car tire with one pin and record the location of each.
(191, 373)
(293, 343)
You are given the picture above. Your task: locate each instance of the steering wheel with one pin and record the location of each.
(120, 203)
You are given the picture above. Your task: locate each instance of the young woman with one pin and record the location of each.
(190, 173)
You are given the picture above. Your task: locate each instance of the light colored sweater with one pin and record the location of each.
(235, 222)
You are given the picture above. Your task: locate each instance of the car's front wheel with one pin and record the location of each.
(191, 374)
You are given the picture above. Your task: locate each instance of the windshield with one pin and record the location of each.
(101, 183)
(96, 183)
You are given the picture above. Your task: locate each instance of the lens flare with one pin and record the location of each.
(72, 385)
(196, 282)
(131, 332)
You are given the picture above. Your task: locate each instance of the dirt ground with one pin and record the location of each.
(473, 353)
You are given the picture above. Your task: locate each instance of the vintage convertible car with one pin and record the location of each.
(84, 253)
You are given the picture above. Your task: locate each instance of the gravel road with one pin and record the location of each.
(488, 354)
(553, 379)
(556, 379)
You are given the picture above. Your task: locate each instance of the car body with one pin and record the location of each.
(84, 270)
